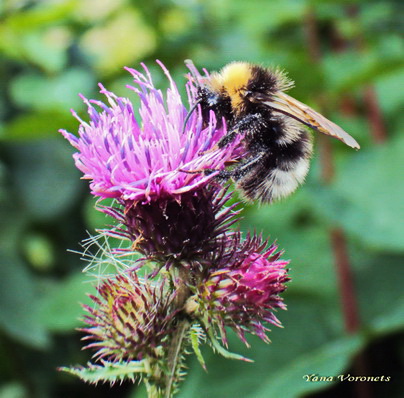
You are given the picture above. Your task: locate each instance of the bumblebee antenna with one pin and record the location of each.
(194, 106)
(195, 76)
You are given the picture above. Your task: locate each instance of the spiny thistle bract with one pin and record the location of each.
(204, 276)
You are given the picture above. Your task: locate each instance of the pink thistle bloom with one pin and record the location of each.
(244, 293)
(140, 160)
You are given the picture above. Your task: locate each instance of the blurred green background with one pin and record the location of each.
(347, 59)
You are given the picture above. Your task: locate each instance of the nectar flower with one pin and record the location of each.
(145, 159)
(168, 213)
(131, 320)
(243, 291)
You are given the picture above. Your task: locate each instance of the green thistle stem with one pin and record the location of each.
(175, 356)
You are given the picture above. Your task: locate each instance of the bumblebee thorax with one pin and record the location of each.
(232, 81)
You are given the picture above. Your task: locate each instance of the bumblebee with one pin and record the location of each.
(252, 101)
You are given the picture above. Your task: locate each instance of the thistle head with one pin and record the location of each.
(243, 290)
(130, 320)
(154, 168)
(146, 158)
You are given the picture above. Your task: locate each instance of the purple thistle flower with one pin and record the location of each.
(131, 320)
(143, 160)
(242, 291)
(169, 214)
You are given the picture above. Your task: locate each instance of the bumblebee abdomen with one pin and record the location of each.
(281, 169)
(275, 183)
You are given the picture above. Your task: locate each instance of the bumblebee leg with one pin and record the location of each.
(246, 124)
(199, 171)
(241, 169)
(249, 123)
(196, 171)
(236, 173)
(224, 141)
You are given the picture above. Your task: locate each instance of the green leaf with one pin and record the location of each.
(392, 320)
(381, 317)
(45, 179)
(391, 100)
(65, 295)
(40, 15)
(343, 75)
(366, 198)
(59, 93)
(18, 287)
(284, 12)
(112, 44)
(330, 361)
(18, 304)
(292, 223)
(37, 125)
(195, 335)
(222, 351)
(48, 48)
(280, 368)
(108, 372)
(21, 30)
(310, 326)
(13, 390)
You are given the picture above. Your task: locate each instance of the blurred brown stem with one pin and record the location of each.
(337, 236)
(374, 114)
(345, 280)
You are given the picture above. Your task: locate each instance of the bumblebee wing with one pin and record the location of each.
(289, 106)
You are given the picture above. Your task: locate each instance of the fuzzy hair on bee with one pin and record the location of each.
(252, 101)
